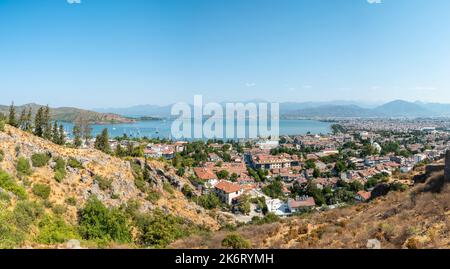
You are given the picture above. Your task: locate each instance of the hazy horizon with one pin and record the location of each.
(362, 104)
(127, 53)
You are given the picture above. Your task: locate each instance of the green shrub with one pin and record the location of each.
(60, 169)
(187, 191)
(103, 183)
(47, 203)
(2, 155)
(60, 175)
(168, 188)
(60, 164)
(274, 190)
(23, 167)
(25, 213)
(209, 201)
(41, 190)
(2, 126)
(160, 229)
(138, 173)
(59, 209)
(397, 186)
(10, 236)
(235, 241)
(269, 218)
(97, 222)
(244, 206)
(71, 201)
(74, 163)
(55, 231)
(222, 174)
(131, 208)
(4, 197)
(141, 185)
(153, 196)
(9, 184)
(40, 159)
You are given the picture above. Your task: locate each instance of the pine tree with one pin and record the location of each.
(62, 135)
(120, 152)
(130, 149)
(55, 133)
(47, 124)
(84, 128)
(87, 131)
(12, 116)
(28, 125)
(38, 120)
(22, 120)
(77, 136)
(102, 142)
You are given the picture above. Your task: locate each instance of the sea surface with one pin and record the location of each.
(162, 128)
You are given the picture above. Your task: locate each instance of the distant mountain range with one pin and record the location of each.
(334, 109)
(397, 108)
(70, 114)
(139, 111)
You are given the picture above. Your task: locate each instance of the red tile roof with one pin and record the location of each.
(228, 187)
(365, 195)
(204, 173)
(308, 202)
(268, 159)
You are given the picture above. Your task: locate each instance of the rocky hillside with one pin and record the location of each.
(87, 173)
(70, 114)
(417, 218)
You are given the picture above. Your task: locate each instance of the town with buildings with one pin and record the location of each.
(297, 174)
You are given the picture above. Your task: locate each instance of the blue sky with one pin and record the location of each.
(117, 53)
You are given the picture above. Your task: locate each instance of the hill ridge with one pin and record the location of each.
(71, 114)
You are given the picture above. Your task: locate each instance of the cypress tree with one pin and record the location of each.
(12, 116)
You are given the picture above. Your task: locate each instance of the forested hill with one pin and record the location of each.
(70, 114)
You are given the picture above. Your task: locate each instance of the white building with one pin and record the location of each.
(377, 147)
(277, 207)
(268, 144)
(419, 157)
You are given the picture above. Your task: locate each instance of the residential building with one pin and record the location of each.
(227, 191)
(301, 204)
